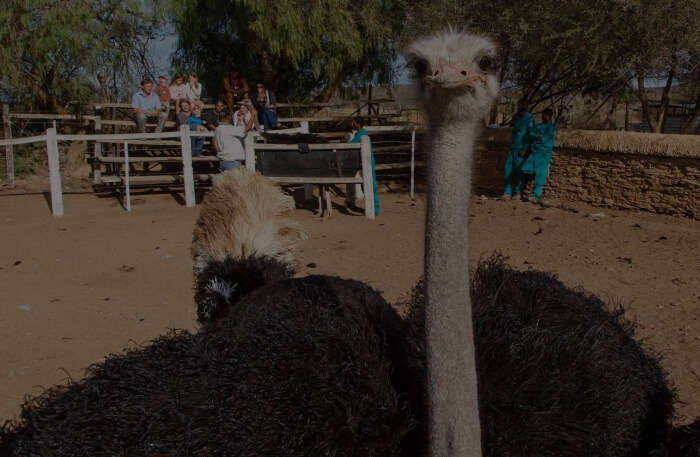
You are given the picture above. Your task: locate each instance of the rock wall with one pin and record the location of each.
(656, 183)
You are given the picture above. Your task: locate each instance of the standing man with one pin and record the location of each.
(537, 162)
(212, 119)
(146, 104)
(235, 89)
(523, 125)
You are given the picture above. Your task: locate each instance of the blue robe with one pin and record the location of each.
(523, 127)
(539, 155)
(356, 139)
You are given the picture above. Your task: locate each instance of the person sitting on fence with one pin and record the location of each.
(265, 102)
(235, 89)
(229, 147)
(358, 131)
(163, 92)
(193, 90)
(146, 104)
(178, 90)
(184, 108)
(196, 125)
(243, 117)
(538, 156)
(523, 125)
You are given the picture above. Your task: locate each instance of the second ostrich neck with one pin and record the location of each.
(453, 394)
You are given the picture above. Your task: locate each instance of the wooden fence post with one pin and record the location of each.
(54, 172)
(96, 164)
(187, 172)
(9, 155)
(249, 151)
(413, 159)
(127, 184)
(367, 181)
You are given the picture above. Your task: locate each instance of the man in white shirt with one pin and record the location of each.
(229, 144)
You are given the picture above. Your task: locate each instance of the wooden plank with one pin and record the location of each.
(154, 179)
(9, 153)
(168, 159)
(313, 180)
(294, 147)
(119, 137)
(367, 181)
(96, 165)
(133, 124)
(71, 117)
(187, 166)
(54, 173)
(24, 140)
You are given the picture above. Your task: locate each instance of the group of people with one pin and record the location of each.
(529, 154)
(236, 113)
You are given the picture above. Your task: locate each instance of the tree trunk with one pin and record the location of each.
(627, 115)
(663, 109)
(103, 87)
(642, 95)
(328, 91)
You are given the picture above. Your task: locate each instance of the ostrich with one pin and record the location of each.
(317, 365)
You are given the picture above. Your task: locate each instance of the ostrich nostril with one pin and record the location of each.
(464, 72)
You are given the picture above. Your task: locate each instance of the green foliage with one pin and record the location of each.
(295, 46)
(51, 50)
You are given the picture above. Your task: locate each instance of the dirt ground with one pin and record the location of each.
(99, 279)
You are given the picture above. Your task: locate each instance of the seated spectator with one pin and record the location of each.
(163, 92)
(229, 147)
(147, 105)
(235, 89)
(184, 108)
(196, 125)
(178, 90)
(213, 118)
(265, 103)
(193, 90)
(243, 117)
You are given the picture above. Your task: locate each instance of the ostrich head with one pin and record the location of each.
(456, 75)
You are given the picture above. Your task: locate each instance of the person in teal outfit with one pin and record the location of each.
(357, 126)
(539, 154)
(523, 125)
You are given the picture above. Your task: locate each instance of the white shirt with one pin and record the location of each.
(228, 142)
(178, 92)
(193, 93)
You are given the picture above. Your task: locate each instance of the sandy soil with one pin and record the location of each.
(76, 288)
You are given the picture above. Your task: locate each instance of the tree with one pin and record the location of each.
(294, 46)
(52, 50)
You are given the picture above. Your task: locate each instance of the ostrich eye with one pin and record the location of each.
(485, 63)
(421, 67)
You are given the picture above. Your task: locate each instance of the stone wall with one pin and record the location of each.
(657, 183)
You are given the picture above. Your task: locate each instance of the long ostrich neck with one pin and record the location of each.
(454, 418)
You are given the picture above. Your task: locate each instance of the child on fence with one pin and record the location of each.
(196, 125)
(539, 154)
(229, 148)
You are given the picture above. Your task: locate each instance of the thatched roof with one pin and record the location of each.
(655, 144)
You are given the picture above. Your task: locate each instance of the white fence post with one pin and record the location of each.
(96, 164)
(250, 151)
(304, 126)
(9, 155)
(367, 181)
(187, 172)
(413, 159)
(127, 184)
(54, 172)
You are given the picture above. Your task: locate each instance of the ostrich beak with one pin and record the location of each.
(452, 77)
